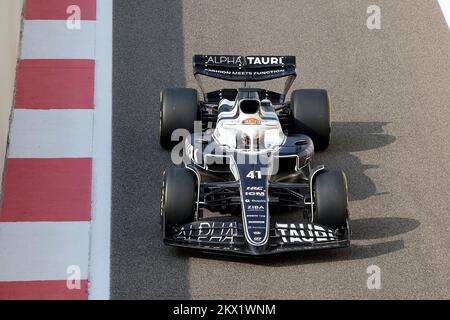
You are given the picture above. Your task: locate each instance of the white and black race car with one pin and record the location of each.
(247, 185)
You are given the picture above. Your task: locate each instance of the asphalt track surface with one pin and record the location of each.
(390, 95)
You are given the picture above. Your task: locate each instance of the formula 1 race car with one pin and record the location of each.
(247, 185)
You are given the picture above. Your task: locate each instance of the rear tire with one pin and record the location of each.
(330, 189)
(311, 115)
(178, 197)
(178, 110)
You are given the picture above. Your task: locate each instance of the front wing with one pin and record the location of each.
(227, 237)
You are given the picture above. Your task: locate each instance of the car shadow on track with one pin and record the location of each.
(378, 228)
(349, 137)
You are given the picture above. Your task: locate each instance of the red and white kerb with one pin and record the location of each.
(46, 209)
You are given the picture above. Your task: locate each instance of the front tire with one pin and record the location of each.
(311, 115)
(330, 197)
(178, 110)
(178, 197)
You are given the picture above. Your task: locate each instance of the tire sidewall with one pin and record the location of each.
(179, 109)
(178, 197)
(311, 115)
(331, 199)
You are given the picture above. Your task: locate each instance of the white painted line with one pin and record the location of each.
(99, 272)
(42, 250)
(445, 7)
(51, 39)
(51, 134)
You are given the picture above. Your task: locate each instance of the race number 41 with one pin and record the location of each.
(254, 174)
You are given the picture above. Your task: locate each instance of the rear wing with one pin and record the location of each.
(240, 68)
(245, 68)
